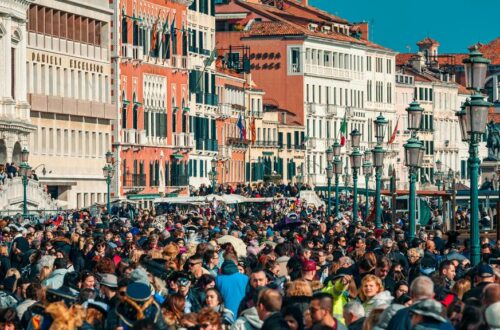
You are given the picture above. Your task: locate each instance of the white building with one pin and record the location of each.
(345, 80)
(68, 86)
(15, 120)
(202, 88)
(440, 97)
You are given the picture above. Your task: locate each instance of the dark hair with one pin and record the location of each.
(9, 315)
(472, 319)
(86, 294)
(219, 297)
(32, 291)
(295, 312)
(60, 263)
(204, 280)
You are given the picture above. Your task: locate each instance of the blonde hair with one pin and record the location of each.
(461, 286)
(299, 288)
(4, 250)
(13, 271)
(370, 278)
(44, 273)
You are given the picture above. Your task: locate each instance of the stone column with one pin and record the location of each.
(496, 97)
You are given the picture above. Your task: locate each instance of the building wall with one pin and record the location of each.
(68, 79)
(151, 134)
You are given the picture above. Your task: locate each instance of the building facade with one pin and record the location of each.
(68, 86)
(317, 66)
(202, 87)
(151, 137)
(15, 119)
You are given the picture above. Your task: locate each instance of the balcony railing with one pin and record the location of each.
(225, 152)
(237, 142)
(133, 180)
(331, 110)
(270, 144)
(184, 140)
(134, 136)
(224, 110)
(311, 143)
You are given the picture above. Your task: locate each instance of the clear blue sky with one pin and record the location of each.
(397, 24)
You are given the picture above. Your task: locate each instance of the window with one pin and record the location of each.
(368, 63)
(389, 66)
(295, 60)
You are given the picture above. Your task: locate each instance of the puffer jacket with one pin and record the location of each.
(382, 298)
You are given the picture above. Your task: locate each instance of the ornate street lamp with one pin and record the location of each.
(413, 161)
(355, 138)
(414, 155)
(329, 176)
(336, 148)
(337, 169)
(25, 171)
(109, 157)
(355, 157)
(108, 172)
(212, 175)
(473, 125)
(378, 152)
(367, 171)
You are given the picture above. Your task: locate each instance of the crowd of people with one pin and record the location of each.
(261, 266)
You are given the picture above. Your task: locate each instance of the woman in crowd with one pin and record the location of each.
(213, 299)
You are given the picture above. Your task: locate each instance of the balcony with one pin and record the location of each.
(265, 144)
(134, 136)
(238, 143)
(331, 110)
(138, 53)
(224, 110)
(311, 143)
(184, 140)
(328, 71)
(179, 62)
(225, 152)
(127, 51)
(132, 180)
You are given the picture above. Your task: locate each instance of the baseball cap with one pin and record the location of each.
(485, 270)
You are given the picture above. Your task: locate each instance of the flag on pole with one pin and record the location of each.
(343, 131)
(241, 125)
(252, 130)
(394, 133)
(154, 37)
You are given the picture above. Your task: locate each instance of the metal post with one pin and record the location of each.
(438, 184)
(474, 199)
(454, 206)
(378, 208)
(25, 196)
(412, 203)
(108, 182)
(329, 211)
(336, 194)
(367, 203)
(355, 193)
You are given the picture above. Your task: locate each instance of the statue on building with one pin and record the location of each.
(493, 142)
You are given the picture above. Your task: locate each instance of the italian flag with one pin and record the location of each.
(343, 131)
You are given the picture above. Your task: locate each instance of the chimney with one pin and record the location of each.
(363, 29)
(418, 62)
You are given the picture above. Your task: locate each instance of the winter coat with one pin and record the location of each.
(248, 320)
(232, 285)
(340, 297)
(382, 298)
(55, 279)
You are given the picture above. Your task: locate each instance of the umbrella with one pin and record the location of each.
(238, 244)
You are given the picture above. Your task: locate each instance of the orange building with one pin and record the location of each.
(151, 136)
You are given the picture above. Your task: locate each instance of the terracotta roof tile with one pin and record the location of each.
(403, 58)
(428, 41)
(492, 51)
(273, 29)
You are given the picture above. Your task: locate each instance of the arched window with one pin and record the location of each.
(135, 114)
(174, 113)
(124, 110)
(124, 29)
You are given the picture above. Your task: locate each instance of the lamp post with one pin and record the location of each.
(355, 158)
(378, 152)
(212, 176)
(367, 171)
(25, 171)
(414, 152)
(108, 172)
(439, 179)
(337, 169)
(329, 175)
(473, 118)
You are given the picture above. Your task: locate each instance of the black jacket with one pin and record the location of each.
(357, 325)
(275, 322)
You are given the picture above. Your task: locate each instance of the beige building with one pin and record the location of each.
(278, 150)
(68, 86)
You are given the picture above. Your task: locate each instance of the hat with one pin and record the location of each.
(109, 280)
(308, 266)
(341, 272)
(387, 242)
(429, 308)
(100, 306)
(428, 265)
(138, 291)
(492, 315)
(485, 270)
